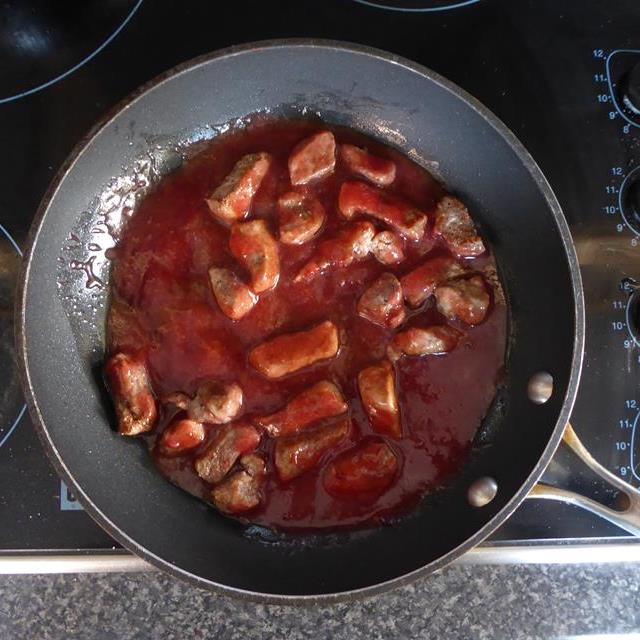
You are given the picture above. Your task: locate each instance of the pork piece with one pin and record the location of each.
(377, 388)
(454, 224)
(313, 158)
(352, 243)
(128, 381)
(298, 454)
(359, 197)
(234, 298)
(301, 217)
(242, 490)
(214, 402)
(288, 353)
(365, 471)
(180, 400)
(377, 170)
(256, 250)
(228, 444)
(386, 246)
(181, 436)
(231, 201)
(322, 400)
(464, 299)
(382, 302)
(424, 341)
(419, 284)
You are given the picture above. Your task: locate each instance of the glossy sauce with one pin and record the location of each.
(160, 273)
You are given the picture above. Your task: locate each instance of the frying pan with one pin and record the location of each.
(65, 287)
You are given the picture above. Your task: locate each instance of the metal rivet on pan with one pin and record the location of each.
(540, 387)
(482, 491)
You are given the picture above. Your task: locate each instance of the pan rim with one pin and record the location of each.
(322, 598)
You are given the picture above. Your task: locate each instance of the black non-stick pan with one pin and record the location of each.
(65, 289)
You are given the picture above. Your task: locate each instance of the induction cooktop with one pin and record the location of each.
(563, 75)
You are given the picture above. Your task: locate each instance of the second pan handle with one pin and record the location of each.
(627, 518)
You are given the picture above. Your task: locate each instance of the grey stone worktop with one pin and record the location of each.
(512, 602)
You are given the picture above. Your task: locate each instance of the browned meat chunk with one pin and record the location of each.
(180, 400)
(234, 298)
(181, 436)
(313, 158)
(231, 201)
(229, 442)
(253, 464)
(242, 490)
(301, 217)
(322, 400)
(464, 299)
(256, 250)
(377, 170)
(288, 353)
(214, 402)
(359, 197)
(128, 381)
(387, 248)
(366, 470)
(377, 388)
(298, 454)
(454, 224)
(424, 341)
(350, 244)
(382, 302)
(419, 284)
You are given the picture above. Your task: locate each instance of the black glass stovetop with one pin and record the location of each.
(554, 70)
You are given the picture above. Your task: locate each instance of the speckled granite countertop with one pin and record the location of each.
(511, 602)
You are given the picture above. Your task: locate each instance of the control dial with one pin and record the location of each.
(631, 89)
(630, 201)
(633, 310)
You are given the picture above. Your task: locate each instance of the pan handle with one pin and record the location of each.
(627, 518)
